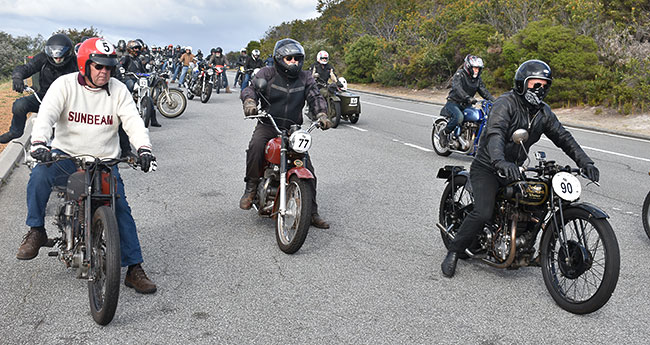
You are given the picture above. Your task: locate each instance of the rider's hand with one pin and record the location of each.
(147, 160)
(508, 169)
(591, 172)
(473, 100)
(323, 121)
(250, 107)
(316, 75)
(19, 85)
(40, 152)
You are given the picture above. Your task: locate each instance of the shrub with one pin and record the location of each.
(361, 57)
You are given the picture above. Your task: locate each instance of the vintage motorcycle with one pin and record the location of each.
(579, 253)
(217, 77)
(170, 102)
(644, 213)
(89, 238)
(142, 95)
(285, 191)
(201, 82)
(341, 104)
(465, 138)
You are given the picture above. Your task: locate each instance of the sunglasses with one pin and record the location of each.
(101, 67)
(538, 85)
(292, 58)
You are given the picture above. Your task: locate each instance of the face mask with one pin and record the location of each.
(535, 96)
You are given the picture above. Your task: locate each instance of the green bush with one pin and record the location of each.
(361, 58)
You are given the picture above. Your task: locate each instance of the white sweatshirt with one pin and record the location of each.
(87, 119)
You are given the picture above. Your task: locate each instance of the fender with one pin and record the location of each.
(301, 172)
(450, 171)
(593, 210)
(438, 120)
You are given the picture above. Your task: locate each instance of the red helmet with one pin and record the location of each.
(97, 50)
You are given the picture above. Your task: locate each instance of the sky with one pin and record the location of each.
(202, 24)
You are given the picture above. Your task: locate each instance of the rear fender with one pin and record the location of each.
(448, 172)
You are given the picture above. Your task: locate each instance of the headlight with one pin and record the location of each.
(300, 141)
(210, 72)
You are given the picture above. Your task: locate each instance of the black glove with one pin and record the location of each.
(324, 122)
(591, 172)
(40, 152)
(19, 85)
(508, 169)
(473, 100)
(147, 160)
(250, 107)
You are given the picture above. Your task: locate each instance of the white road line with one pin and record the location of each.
(357, 128)
(403, 110)
(608, 152)
(607, 134)
(418, 147)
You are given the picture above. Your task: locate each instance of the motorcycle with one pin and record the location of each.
(285, 191)
(89, 238)
(644, 214)
(142, 95)
(217, 77)
(201, 82)
(170, 102)
(239, 76)
(579, 253)
(464, 139)
(341, 104)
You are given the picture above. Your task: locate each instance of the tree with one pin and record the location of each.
(14, 50)
(76, 35)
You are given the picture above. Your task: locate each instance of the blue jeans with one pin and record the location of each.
(183, 73)
(177, 69)
(456, 116)
(247, 78)
(20, 108)
(39, 187)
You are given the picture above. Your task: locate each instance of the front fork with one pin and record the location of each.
(283, 179)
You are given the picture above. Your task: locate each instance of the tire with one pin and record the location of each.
(600, 260)
(146, 110)
(435, 140)
(291, 230)
(206, 92)
(337, 115)
(452, 212)
(644, 215)
(354, 118)
(174, 106)
(218, 84)
(104, 290)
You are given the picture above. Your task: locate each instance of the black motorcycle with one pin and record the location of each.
(201, 82)
(579, 253)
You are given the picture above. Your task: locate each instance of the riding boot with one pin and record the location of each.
(246, 201)
(449, 264)
(228, 89)
(154, 121)
(444, 137)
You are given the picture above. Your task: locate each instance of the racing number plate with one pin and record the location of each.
(354, 101)
(566, 186)
(143, 82)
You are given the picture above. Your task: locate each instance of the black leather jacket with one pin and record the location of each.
(49, 72)
(463, 88)
(509, 113)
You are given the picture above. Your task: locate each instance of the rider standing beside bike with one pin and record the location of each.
(521, 108)
(131, 63)
(288, 89)
(91, 91)
(252, 63)
(56, 60)
(217, 58)
(464, 85)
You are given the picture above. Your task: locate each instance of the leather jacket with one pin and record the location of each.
(511, 112)
(49, 72)
(463, 88)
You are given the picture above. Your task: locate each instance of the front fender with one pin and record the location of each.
(593, 210)
(301, 172)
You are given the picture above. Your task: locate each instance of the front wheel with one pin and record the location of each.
(456, 203)
(435, 138)
(218, 84)
(644, 214)
(146, 110)
(582, 273)
(291, 229)
(104, 289)
(172, 104)
(206, 92)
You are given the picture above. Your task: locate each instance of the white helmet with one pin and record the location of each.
(243, 50)
(255, 53)
(188, 47)
(322, 57)
(344, 83)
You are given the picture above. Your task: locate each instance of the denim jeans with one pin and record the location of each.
(39, 188)
(183, 73)
(20, 108)
(247, 78)
(456, 116)
(177, 69)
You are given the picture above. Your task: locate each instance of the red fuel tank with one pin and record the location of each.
(272, 151)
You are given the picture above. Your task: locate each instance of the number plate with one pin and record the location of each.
(354, 101)
(566, 186)
(300, 141)
(143, 82)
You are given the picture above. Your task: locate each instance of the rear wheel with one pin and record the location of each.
(172, 104)
(354, 118)
(581, 275)
(435, 138)
(104, 289)
(291, 229)
(455, 204)
(334, 113)
(644, 214)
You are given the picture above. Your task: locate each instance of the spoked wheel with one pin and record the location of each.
(435, 138)
(581, 279)
(456, 203)
(644, 214)
(218, 84)
(206, 92)
(104, 289)
(172, 104)
(291, 229)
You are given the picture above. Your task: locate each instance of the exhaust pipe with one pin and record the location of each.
(452, 237)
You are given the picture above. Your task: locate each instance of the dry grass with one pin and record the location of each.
(7, 98)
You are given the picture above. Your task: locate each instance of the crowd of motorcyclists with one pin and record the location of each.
(290, 88)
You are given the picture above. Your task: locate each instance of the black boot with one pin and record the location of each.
(7, 137)
(246, 201)
(443, 137)
(154, 121)
(449, 264)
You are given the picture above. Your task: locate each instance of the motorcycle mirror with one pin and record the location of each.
(260, 84)
(520, 136)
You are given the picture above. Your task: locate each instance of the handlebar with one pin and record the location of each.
(263, 114)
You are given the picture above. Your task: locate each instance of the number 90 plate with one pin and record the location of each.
(566, 186)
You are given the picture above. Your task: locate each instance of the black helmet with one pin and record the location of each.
(213, 50)
(178, 47)
(58, 46)
(121, 45)
(219, 50)
(470, 62)
(533, 69)
(288, 47)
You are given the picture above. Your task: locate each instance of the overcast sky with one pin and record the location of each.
(202, 24)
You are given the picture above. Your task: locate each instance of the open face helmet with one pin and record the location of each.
(134, 47)
(470, 62)
(97, 50)
(322, 57)
(59, 49)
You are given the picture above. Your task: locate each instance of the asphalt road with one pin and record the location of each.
(372, 278)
